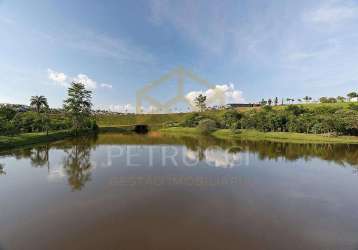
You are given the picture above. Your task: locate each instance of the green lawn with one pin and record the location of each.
(269, 136)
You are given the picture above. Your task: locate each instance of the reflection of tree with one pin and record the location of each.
(77, 163)
(341, 154)
(2, 171)
(40, 157)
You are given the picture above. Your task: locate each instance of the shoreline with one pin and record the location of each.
(27, 139)
(11, 142)
(267, 136)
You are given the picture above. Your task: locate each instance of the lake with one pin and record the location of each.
(117, 191)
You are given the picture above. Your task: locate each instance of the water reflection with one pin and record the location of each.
(2, 171)
(217, 157)
(77, 163)
(261, 205)
(40, 156)
(341, 154)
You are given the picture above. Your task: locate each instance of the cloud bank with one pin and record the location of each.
(227, 91)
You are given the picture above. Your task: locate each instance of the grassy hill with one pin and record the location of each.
(153, 120)
(160, 120)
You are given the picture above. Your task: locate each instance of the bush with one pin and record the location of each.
(8, 128)
(171, 124)
(207, 126)
(192, 120)
(295, 110)
(353, 107)
(7, 113)
(28, 122)
(231, 119)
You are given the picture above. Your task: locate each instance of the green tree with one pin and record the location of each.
(207, 126)
(332, 100)
(352, 95)
(231, 119)
(307, 98)
(323, 99)
(7, 113)
(341, 99)
(269, 101)
(200, 102)
(263, 102)
(38, 102)
(78, 105)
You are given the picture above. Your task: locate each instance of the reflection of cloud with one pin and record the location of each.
(56, 174)
(191, 155)
(216, 157)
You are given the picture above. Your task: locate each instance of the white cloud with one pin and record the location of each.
(64, 80)
(225, 91)
(332, 14)
(85, 80)
(105, 85)
(57, 77)
(122, 108)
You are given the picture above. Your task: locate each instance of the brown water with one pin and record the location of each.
(155, 192)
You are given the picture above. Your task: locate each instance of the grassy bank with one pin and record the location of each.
(153, 120)
(8, 142)
(270, 136)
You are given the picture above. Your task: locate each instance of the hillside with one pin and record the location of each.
(160, 120)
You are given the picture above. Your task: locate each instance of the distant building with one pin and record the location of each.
(354, 99)
(242, 105)
(16, 107)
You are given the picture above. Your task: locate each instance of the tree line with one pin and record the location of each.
(76, 116)
(293, 118)
(275, 101)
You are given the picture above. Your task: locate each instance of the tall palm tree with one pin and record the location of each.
(38, 102)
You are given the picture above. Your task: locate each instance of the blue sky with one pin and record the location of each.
(257, 49)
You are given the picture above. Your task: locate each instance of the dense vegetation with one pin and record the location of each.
(77, 115)
(293, 118)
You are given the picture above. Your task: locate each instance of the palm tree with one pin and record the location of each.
(276, 101)
(38, 102)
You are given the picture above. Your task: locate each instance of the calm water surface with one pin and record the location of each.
(155, 192)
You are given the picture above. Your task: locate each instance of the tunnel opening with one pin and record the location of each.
(141, 129)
